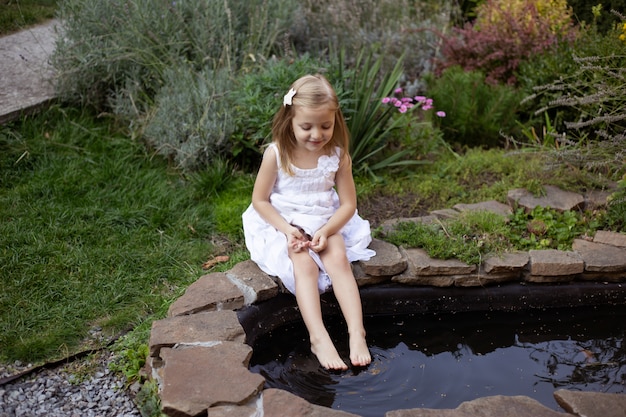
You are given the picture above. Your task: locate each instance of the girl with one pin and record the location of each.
(299, 227)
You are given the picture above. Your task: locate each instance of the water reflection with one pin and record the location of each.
(441, 360)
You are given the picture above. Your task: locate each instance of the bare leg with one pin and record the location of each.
(347, 294)
(307, 295)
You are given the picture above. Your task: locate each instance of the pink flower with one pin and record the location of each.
(386, 100)
(398, 90)
(402, 109)
(441, 113)
(420, 99)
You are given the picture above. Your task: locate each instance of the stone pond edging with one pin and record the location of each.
(199, 356)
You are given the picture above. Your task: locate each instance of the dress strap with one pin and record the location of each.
(275, 147)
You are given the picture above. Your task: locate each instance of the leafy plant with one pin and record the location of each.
(369, 120)
(476, 111)
(544, 228)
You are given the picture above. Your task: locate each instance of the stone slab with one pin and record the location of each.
(209, 293)
(387, 262)
(255, 284)
(555, 263)
(189, 375)
(591, 404)
(496, 406)
(280, 403)
(363, 279)
(482, 279)
(506, 262)
(600, 258)
(26, 76)
(420, 264)
(491, 206)
(610, 238)
(554, 197)
(206, 327)
(445, 213)
(390, 225)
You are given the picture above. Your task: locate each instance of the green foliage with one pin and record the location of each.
(616, 211)
(587, 12)
(476, 111)
(148, 400)
(546, 228)
(93, 231)
(257, 96)
(129, 361)
(17, 15)
(467, 238)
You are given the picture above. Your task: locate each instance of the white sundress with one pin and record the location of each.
(306, 199)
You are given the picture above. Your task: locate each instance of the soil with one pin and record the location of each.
(378, 208)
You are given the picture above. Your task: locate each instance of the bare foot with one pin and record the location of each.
(359, 352)
(327, 355)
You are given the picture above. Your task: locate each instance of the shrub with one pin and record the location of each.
(123, 48)
(589, 104)
(190, 122)
(506, 34)
(400, 27)
(476, 111)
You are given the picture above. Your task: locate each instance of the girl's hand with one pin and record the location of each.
(319, 241)
(297, 239)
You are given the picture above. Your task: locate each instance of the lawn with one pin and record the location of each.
(94, 233)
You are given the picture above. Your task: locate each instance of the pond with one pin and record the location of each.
(441, 359)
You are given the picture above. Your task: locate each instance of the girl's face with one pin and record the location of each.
(313, 127)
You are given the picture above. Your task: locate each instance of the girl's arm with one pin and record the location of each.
(263, 185)
(344, 183)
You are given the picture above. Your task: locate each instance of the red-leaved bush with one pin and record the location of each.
(497, 46)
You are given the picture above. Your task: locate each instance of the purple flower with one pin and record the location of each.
(402, 109)
(398, 90)
(386, 100)
(420, 99)
(441, 113)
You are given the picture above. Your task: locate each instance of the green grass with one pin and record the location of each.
(93, 232)
(16, 15)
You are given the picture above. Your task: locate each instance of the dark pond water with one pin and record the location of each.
(442, 360)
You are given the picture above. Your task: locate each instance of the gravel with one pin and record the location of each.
(68, 391)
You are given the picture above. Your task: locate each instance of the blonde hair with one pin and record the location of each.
(311, 91)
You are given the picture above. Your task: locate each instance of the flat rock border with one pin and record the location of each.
(199, 355)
